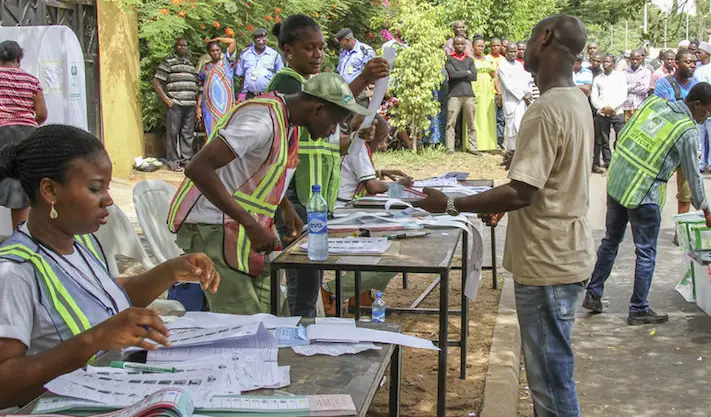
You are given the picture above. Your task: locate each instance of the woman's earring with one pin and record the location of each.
(53, 212)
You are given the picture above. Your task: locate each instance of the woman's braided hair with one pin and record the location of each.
(46, 153)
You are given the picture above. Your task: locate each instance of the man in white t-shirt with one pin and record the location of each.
(358, 174)
(226, 207)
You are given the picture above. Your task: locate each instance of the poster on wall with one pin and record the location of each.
(53, 55)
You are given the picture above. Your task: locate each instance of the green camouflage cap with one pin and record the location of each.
(331, 87)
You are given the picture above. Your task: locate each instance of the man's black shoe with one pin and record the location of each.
(646, 317)
(592, 303)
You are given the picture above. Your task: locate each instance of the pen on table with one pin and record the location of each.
(135, 366)
(399, 236)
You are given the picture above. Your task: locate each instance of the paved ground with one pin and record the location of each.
(627, 370)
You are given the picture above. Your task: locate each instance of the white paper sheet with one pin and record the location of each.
(289, 336)
(334, 349)
(336, 333)
(124, 390)
(355, 245)
(381, 87)
(198, 336)
(343, 321)
(206, 320)
(435, 182)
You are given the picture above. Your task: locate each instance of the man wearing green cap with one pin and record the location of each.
(225, 208)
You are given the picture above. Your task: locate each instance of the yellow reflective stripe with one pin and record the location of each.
(242, 249)
(667, 144)
(54, 285)
(86, 242)
(184, 189)
(253, 204)
(269, 180)
(632, 159)
(632, 188)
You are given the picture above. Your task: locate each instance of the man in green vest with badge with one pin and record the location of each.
(660, 137)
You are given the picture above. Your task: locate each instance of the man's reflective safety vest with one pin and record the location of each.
(319, 160)
(642, 148)
(68, 304)
(259, 196)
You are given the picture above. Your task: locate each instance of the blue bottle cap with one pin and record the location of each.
(379, 294)
(315, 188)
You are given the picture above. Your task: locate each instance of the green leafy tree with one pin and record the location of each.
(418, 68)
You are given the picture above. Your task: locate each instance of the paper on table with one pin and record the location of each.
(198, 336)
(381, 87)
(261, 348)
(205, 320)
(355, 245)
(336, 333)
(124, 390)
(321, 403)
(288, 336)
(435, 182)
(334, 349)
(343, 321)
(59, 404)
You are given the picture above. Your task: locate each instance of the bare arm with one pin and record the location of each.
(22, 377)
(230, 42)
(40, 108)
(509, 197)
(158, 87)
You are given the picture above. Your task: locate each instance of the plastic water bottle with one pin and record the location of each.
(317, 218)
(378, 308)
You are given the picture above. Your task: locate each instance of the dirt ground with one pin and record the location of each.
(419, 368)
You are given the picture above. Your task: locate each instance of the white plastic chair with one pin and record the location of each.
(151, 199)
(118, 237)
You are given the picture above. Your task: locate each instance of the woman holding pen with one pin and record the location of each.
(59, 305)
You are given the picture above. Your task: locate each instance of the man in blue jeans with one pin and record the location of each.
(549, 245)
(659, 138)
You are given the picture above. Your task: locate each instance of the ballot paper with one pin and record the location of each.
(310, 405)
(334, 349)
(124, 390)
(206, 320)
(435, 182)
(289, 336)
(198, 336)
(355, 245)
(381, 87)
(338, 333)
(259, 348)
(162, 403)
(343, 321)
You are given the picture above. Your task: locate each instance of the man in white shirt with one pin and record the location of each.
(608, 95)
(703, 74)
(516, 91)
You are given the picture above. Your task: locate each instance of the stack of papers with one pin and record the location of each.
(178, 403)
(334, 349)
(346, 334)
(355, 245)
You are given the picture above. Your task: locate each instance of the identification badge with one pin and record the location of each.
(351, 70)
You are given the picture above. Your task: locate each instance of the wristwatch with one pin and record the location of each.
(451, 209)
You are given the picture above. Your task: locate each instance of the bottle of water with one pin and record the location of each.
(378, 308)
(318, 225)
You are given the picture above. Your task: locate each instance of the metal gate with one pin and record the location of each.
(80, 16)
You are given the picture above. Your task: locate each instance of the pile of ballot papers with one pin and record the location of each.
(214, 359)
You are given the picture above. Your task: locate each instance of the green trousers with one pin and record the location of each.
(377, 280)
(238, 293)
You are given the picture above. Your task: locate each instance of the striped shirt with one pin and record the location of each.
(180, 78)
(637, 86)
(17, 97)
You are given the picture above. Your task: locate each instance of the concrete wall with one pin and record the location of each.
(119, 72)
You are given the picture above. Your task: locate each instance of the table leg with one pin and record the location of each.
(357, 295)
(275, 290)
(404, 280)
(395, 382)
(339, 295)
(493, 257)
(464, 335)
(443, 335)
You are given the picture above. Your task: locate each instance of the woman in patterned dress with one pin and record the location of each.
(216, 82)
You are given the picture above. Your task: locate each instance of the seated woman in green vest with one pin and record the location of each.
(303, 44)
(59, 305)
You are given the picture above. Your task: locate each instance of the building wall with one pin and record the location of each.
(119, 72)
